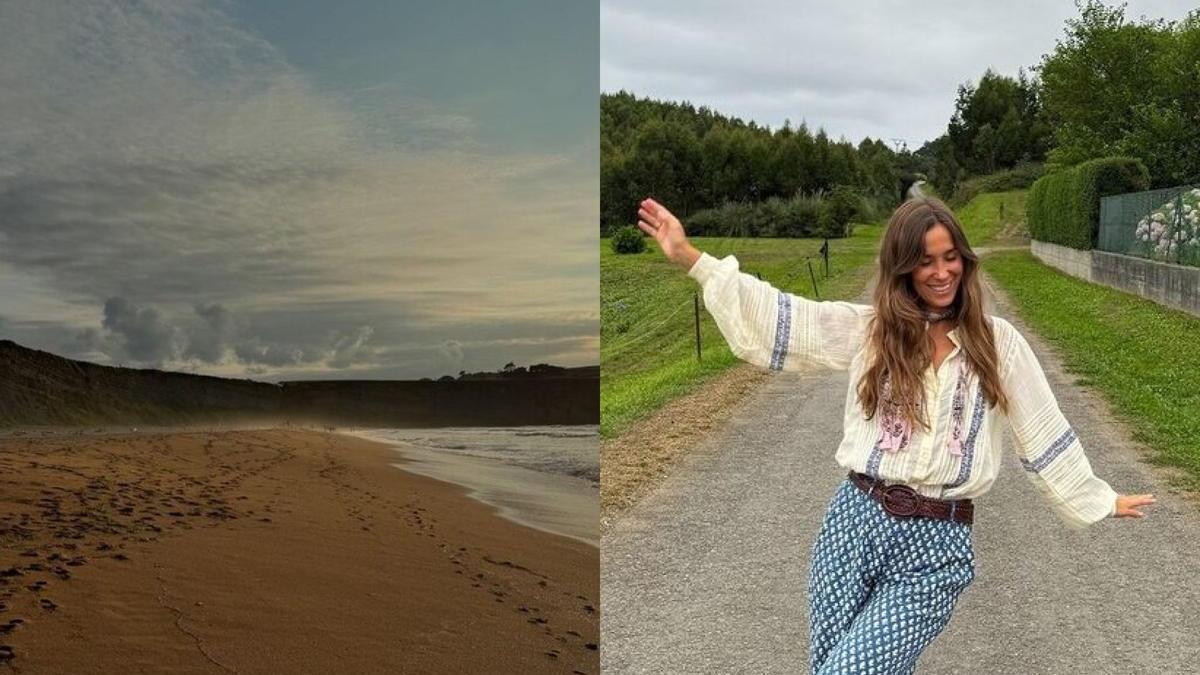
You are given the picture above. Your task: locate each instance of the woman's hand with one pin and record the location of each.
(658, 222)
(1127, 505)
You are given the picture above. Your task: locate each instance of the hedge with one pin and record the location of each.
(1064, 206)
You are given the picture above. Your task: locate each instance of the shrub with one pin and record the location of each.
(1064, 206)
(814, 215)
(1016, 178)
(628, 239)
(841, 208)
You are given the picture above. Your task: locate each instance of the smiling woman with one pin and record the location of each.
(934, 381)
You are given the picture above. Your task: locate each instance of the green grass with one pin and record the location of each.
(647, 321)
(981, 217)
(1143, 357)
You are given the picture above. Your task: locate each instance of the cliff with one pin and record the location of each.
(39, 388)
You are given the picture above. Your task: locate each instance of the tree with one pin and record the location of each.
(1113, 87)
(996, 123)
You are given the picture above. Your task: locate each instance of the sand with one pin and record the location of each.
(272, 551)
(561, 504)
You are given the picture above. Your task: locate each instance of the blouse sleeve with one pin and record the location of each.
(774, 329)
(1047, 445)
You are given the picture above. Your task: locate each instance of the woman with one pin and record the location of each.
(932, 382)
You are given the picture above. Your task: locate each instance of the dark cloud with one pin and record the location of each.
(143, 335)
(108, 230)
(214, 335)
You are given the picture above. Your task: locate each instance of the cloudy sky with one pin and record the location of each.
(880, 68)
(277, 190)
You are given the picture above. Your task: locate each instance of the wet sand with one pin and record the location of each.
(563, 505)
(272, 551)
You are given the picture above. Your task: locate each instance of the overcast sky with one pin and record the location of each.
(282, 189)
(884, 69)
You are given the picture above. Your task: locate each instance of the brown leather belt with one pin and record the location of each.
(904, 502)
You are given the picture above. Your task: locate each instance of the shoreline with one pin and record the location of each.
(558, 504)
(255, 551)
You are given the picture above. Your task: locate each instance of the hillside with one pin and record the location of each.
(40, 388)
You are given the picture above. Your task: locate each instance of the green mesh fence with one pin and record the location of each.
(1161, 225)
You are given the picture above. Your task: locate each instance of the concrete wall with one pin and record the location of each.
(1175, 286)
(1070, 260)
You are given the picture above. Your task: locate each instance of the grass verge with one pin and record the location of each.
(1143, 357)
(994, 218)
(647, 321)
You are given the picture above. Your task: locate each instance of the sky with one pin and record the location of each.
(281, 190)
(883, 69)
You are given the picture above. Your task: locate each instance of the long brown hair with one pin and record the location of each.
(897, 334)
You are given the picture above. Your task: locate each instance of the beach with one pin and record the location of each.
(545, 477)
(264, 551)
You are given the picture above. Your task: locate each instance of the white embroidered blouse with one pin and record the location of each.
(960, 457)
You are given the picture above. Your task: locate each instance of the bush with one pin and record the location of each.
(628, 239)
(1064, 206)
(815, 215)
(1016, 178)
(841, 208)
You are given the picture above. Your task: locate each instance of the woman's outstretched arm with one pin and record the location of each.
(763, 325)
(1048, 447)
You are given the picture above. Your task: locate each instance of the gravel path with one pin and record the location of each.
(707, 574)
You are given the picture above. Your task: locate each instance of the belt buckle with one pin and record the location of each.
(901, 500)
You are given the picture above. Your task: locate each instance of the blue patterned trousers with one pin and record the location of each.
(881, 588)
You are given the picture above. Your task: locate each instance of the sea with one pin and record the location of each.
(546, 477)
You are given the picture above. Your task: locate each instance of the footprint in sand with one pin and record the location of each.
(9, 626)
(48, 605)
(6, 653)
